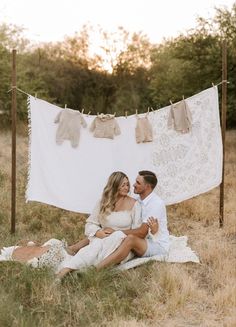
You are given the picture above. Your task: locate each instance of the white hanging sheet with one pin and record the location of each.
(73, 178)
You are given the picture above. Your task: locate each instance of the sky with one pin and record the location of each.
(52, 20)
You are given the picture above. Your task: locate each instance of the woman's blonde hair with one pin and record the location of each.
(110, 193)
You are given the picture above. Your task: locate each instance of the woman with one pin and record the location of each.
(115, 212)
(51, 254)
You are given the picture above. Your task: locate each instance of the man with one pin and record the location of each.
(154, 224)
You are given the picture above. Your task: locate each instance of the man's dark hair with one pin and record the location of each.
(149, 177)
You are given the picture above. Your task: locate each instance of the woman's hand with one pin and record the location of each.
(153, 225)
(101, 233)
(108, 230)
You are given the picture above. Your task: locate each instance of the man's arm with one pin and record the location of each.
(140, 231)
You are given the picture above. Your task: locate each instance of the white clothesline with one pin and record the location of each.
(82, 111)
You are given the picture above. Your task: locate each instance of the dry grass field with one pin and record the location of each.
(155, 294)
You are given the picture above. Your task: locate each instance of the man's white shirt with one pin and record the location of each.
(153, 206)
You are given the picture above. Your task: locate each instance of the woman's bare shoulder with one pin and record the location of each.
(131, 198)
(131, 201)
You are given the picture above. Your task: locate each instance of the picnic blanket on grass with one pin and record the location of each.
(179, 252)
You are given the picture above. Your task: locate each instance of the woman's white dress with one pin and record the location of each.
(99, 248)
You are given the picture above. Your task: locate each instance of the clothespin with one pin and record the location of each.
(183, 97)
(126, 114)
(114, 114)
(212, 84)
(147, 113)
(171, 102)
(152, 109)
(88, 113)
(82, 110)
(136, 112)
(97, 113)
(35, 95)
(65, 106)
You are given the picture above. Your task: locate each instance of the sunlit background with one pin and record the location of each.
(51, 20)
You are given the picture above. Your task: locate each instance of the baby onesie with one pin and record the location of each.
(70, 122)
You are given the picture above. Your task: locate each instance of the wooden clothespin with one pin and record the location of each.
(35, 95)
(171, 102)
(183, 97)
(136, 112)
(212, 84)
(114, 114)
(88, 113)
(126, 114)
(65, 106)
(82, 110)
(148, 110)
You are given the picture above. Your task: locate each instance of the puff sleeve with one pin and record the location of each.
(92, 223)
(116, 128)
(93, 125)
(58, 116)
(83, 122)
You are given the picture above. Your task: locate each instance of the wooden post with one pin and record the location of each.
(223, 126)
(13, 162)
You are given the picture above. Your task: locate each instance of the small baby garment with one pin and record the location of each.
(143, 130)
(70, 122)
(105, 126)
(180, 117)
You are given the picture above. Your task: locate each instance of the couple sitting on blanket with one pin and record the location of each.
(118, 228)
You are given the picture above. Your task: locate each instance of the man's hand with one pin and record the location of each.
(101, 233)
(153, 225)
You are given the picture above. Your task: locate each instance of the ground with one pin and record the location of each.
(155, 294)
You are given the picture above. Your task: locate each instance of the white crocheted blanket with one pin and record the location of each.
(179, 252)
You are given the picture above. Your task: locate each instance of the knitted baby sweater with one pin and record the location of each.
(105, 126)
(143, 130)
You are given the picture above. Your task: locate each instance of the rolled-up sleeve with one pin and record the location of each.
(154, 237)
(92, 223)
(136, 216)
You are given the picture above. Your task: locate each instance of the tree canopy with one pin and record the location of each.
(128, 73)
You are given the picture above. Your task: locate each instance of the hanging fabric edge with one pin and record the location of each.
(29, 148)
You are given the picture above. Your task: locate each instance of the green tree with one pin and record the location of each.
(192, 62)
